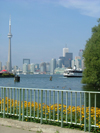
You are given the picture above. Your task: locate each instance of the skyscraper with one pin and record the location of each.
(65, 50)
(52, 66)
(9, 65)
(27, 61)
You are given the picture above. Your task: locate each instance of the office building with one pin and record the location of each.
(81, 53)
(77, 63)
(26, 61)
(66, 61)
(59, 63)
(9, 65)
(43, 67)
(65, 50)
(37, 68)
(52, 66)
(0, 66)
(48, 67)
(32, 68)
(25, 68)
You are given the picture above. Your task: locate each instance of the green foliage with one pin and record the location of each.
(91, 55)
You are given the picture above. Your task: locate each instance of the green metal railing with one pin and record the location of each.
(64, 106)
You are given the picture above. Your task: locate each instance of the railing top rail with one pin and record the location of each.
(51, 89)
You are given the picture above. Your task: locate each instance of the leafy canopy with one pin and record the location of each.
(91, 55)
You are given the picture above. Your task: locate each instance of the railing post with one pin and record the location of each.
(19, 104)
(84, 111)
(38, 105)
(89, 112)
(45, 104)
(41, 105)
(53, 105)
(34, 103)
(27, 104)
(66, 105)
(1, 99)
(49, 105)
(75, 107)
(30, 102)
(95, 108)
(23, 105)
(4, 103)
(71, 107)
(14, 101)
(58, 105)
(80, 106)
(10, 99)
(61, 108)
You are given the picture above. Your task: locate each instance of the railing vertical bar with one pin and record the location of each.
(4, 103)
(53, 105)
(89, 112)
(1, 99)
(41, 105)
(71, 108)
(66, 106)
(19, 104)
(75, 107)
(84, 111)
(14, 101)
(49, 105)
(46, 104)
(23, 105)
(10, 99)
(30, 103)
(58, 106)
(38, 105)
(80, 107)
(34, 103)
(61, 108)
(27, 104)
(95, 108)
(7, 99)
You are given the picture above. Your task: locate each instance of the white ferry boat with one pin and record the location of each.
(73, 72)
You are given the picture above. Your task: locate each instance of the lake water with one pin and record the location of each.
(43, 81)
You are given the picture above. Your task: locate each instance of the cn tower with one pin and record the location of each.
(9, 66)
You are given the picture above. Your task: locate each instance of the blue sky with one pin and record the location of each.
(42, 28)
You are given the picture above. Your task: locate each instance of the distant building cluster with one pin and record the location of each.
(52, 67)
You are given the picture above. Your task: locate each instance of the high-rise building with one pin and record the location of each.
(81, 53)
(59, 63)
(0, 66)
(77, 63)
(43, 67)
(32, 68)
(48, 67)
(66, 61)
(25, 68)
(52, 66)
(9, 65)
(65, 50)
(27, 61)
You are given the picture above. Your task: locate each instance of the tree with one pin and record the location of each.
(91, 55)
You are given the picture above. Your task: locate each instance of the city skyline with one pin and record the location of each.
(41, 29)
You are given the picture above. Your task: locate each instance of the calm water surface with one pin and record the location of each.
(42, 81)
(58, 83)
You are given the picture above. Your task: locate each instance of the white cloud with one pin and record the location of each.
(86, 7)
